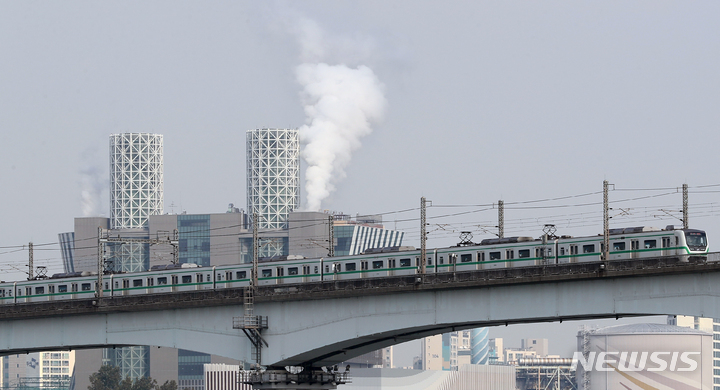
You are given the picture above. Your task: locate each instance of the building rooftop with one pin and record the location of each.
(646, 329)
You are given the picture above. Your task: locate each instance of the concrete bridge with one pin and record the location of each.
(325, 323)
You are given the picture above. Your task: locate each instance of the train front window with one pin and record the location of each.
(696, 239)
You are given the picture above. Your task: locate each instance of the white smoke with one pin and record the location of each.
(91, 185)
(341, 103)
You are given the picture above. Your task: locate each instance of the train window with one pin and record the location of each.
(266, 273)
(162, 280)
(481, 256)
(405, 262)
(74, 287)
(618, 246)
(316, 269)
(28, 290)
(280, 271)
(51, 289)
(2, 293)
(523, 253)
(509, 254)
(137, 282)
(62, 288)
(187, 278)
(150, 281)
(349, 266)
(549, 251)
(466, 258)
(573, 249)
(377, 264)
(86, 287)
(293, 271)
(39, 290)
(562, 251)
(495, 256)
(363, 265)
(391, 263)
(442, 260)
(117, 284)
(241, 274)
(327, 268)
(650, 244)
(589, 248)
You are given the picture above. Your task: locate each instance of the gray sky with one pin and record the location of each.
(517, 101)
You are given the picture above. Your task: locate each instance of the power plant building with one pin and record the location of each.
(647, 356)
(273, 175)
(136, 179)
(136, 193)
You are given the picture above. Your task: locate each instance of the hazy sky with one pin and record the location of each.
(483, 101)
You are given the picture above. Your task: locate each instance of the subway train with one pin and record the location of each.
(628, 243)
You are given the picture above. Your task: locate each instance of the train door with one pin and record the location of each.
(364, 268)
(540, 255)
(150, 283)
(74, 290)
(228, 278)
(306, 273)
(452, 262)
(509, 256)
(280, 274)
(480, 260)
(173, 283)
(634, 248)
(125, 287)
(391, 267)
(51, 292)
(28, 293)
(573, 253)
(666, 246)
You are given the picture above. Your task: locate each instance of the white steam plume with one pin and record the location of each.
(341, 103)
(91, 185)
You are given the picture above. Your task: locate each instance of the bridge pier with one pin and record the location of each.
(298, 378)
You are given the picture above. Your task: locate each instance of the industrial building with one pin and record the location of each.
(675, 357)
(273, 175)
(137, 215)
(710, 325)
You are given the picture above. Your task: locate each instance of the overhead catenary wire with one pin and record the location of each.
(570, 220)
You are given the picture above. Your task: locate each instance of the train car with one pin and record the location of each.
(514, 252)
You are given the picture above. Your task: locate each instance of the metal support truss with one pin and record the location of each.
(251, 324)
